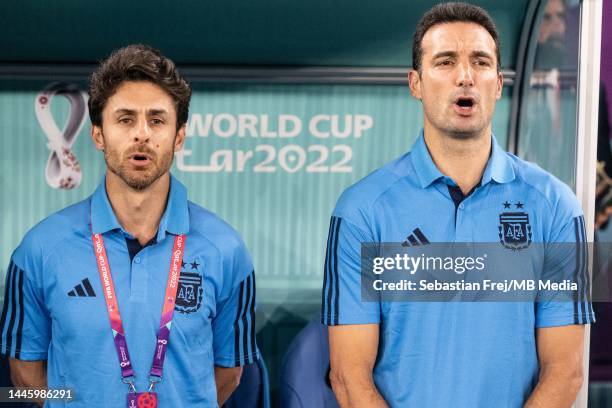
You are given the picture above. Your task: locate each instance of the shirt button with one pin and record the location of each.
(137, 260)
(462, 206)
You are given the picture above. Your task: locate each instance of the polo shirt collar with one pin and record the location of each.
(499, 165)
(175, 219)
(424, 166)
(176, 216)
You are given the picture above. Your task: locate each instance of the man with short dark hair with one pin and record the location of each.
(135, 295)
(455, 185)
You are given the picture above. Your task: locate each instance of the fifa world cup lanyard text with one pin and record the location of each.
(140, 399)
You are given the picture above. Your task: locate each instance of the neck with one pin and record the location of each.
(463, 160)
(138, 211)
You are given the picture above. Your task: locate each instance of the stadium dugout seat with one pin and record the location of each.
(304, 381)
(254, 388)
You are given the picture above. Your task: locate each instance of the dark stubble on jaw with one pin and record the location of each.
(138, 179)
(462, 135)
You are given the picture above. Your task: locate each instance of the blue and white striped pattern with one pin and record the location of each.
(583, 309)
(331, 292)
(245, 351)
(11, 321)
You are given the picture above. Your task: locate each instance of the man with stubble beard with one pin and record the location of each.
(455, 185)
(135, 296)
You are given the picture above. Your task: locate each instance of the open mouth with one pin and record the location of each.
(140, 159)
(464, 105)
(465, 102)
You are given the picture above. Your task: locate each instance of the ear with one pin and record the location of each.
(414, 82)
(180, 138)
(97, 137)
(500, 85)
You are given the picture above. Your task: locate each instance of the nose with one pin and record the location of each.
(142, 132)
(465, 75)
(558, 26)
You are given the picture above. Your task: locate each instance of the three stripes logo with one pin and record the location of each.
(82, 289)
(331, 286)
(416, 238)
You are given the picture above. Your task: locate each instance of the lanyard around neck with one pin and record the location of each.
(112, 307)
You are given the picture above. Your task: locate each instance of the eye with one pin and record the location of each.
(157, 121)
(445, 62)
(483, 63)
(125, 120)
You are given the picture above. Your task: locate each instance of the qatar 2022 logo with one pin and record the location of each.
(63, 169)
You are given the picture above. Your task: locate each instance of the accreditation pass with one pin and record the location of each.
(11, 394)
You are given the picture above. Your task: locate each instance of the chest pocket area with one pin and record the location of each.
(191, 336)
(191, 341)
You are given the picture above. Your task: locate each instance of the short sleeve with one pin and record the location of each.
(566, 258)
(233, 326)
(341, 298)
(24, 323)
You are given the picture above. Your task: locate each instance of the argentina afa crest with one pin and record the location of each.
(514, 229)
(189, 291)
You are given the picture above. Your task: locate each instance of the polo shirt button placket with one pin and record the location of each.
(459, 224)
(139, 284)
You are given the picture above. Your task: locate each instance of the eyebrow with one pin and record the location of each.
(482, 54)
(124, 112)
(150, 112)
(443, 54)
(478, 53)
(157, 112)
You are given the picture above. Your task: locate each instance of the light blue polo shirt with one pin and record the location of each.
(54, 307)
(435, 354)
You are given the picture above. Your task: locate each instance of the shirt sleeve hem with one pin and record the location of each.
(565, 320)
(354, 318)
(230, 362)
(27, 356)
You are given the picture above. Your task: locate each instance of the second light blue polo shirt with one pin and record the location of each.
(449, 354)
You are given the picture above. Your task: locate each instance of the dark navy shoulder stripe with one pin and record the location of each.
(587, 276)
(19, 333)
(331, 271)
(245, 321)
(245, 348)
(15, 309)
(324, 304)
(331, 284)
(589, 280)
(8, 289)
(329, 280)
(336, 277)
(583, 269)
(583, 308)
(576, 268)
(11, 324)
(578, 271)
(252, 310)
(237, 328)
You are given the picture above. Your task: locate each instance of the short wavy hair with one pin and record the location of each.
(452, 13)
(137, 62)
